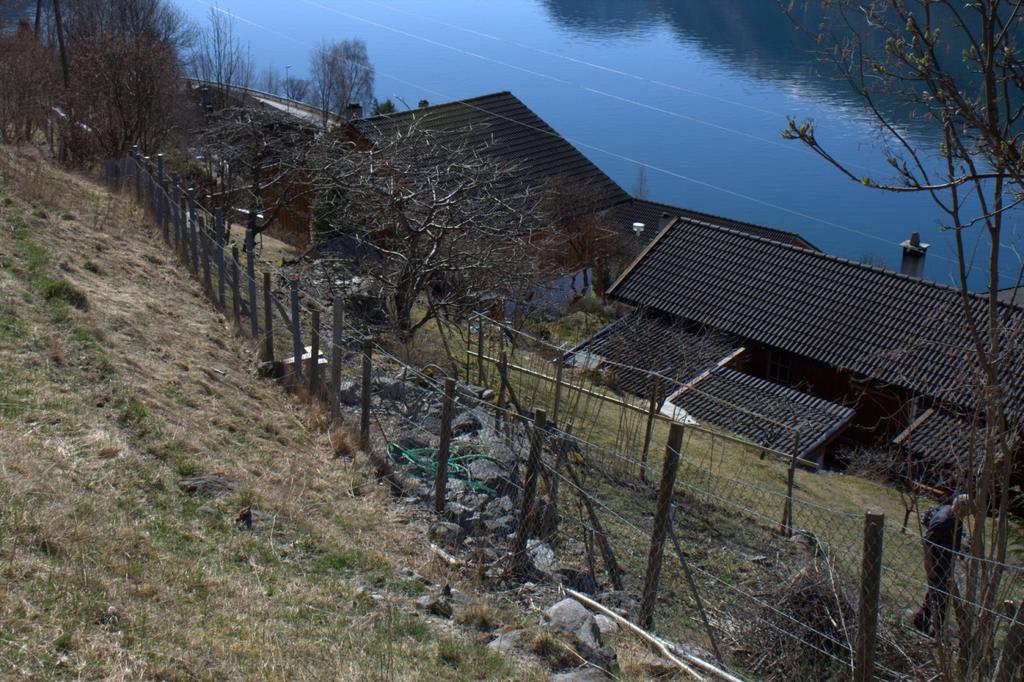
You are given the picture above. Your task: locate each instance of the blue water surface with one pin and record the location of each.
(696, 91)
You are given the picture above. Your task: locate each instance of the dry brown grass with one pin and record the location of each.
(107, 569)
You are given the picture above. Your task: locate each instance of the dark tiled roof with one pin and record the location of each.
(514, 132)
(875, 323)
(771, 415)
(651, 214)
(637, 344)
(942, 445)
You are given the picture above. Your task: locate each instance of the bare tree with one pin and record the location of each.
(961, 66)
(437, 222)
(28, 75)
(270, 81)
(220, 57)
(155, 21)
(580, 233)
(264, 152)
(341, 76)
(126, 91)
(296, 89)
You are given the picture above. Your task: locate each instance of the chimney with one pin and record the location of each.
(638, 229)
(354, 110)
(912, 262)
(663, 221)
(423, 104)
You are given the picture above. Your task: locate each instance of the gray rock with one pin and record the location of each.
(500, 506)
(582, 675)
(389, 388)
(350, 393)
(456, 488)
(210, 485)
(435, 606)
(500, 526)
(465, 424)
(572, 617)
(450, 534)
(543, 560)
(605, 625)
(505, 642)
(490, 474)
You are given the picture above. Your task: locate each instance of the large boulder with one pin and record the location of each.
(350, 393)
(492, 475)
(465, 424)
(445, 533)
(573, 618)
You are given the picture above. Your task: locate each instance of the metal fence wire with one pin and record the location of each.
(705, 537)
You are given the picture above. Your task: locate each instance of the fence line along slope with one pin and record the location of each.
(164, 513)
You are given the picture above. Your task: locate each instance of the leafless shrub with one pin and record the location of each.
(429, 218)
(28, 75)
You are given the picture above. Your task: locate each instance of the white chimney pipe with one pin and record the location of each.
(914, 250)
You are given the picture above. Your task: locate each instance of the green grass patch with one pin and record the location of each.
(347, 561)
(133, 414)
(59, 289)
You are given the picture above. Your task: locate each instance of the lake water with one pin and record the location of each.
(696, 91)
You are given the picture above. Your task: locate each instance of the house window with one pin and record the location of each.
(780, 368)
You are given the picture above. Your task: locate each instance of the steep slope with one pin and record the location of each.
(165, 513)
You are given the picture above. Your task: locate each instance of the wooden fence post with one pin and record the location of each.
(268, 321)
(314, 352)
(652, 412)
(482, 376)
(193, 231)
(558, 391)
(175, 203)
(787, 512)
(250, 266)
(661, 521)
(137, 170)
(337, 331)
(218, 235)
(364, 417)
(147, 188)
(296, 331)
(207, 249)
(165, 198)
(236, 299)
(867, 611)
(159, 188)
(441, 476)
(520, 561)
(502, 370)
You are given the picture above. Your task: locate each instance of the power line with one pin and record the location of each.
(577, 143)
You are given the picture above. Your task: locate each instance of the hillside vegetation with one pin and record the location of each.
(164, 512)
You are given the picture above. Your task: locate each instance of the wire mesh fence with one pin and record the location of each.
(758, 559)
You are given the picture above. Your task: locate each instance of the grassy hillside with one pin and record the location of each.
(118, 383)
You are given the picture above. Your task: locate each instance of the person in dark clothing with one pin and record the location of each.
(943, 530)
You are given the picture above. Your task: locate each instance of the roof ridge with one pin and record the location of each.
(467, 100)
(718, 217)
(836, 259)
